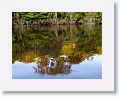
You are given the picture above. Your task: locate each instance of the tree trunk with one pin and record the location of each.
(55, 18)
(71, 20)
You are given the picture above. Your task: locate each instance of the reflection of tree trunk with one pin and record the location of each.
(71, 28)
(56, 31)
(35, 47)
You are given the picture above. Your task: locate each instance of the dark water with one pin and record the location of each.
(81, 44)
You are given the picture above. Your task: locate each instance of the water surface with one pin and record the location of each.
(88, 69)
(81, 43)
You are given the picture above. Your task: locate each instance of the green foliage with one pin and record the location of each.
(50, 18)
(70, 40)
(67, 49)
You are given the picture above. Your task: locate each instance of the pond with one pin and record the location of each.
(88, 69)
(57, 52)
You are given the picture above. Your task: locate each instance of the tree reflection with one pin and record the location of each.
(38, 44)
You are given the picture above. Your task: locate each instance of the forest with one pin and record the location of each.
(55, 18)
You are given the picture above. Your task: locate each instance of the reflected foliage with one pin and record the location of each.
(77, 42)
(37, 37)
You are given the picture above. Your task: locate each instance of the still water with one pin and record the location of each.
(57, 52)
(88, 69)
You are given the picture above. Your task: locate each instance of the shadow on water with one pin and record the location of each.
(56, 50)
